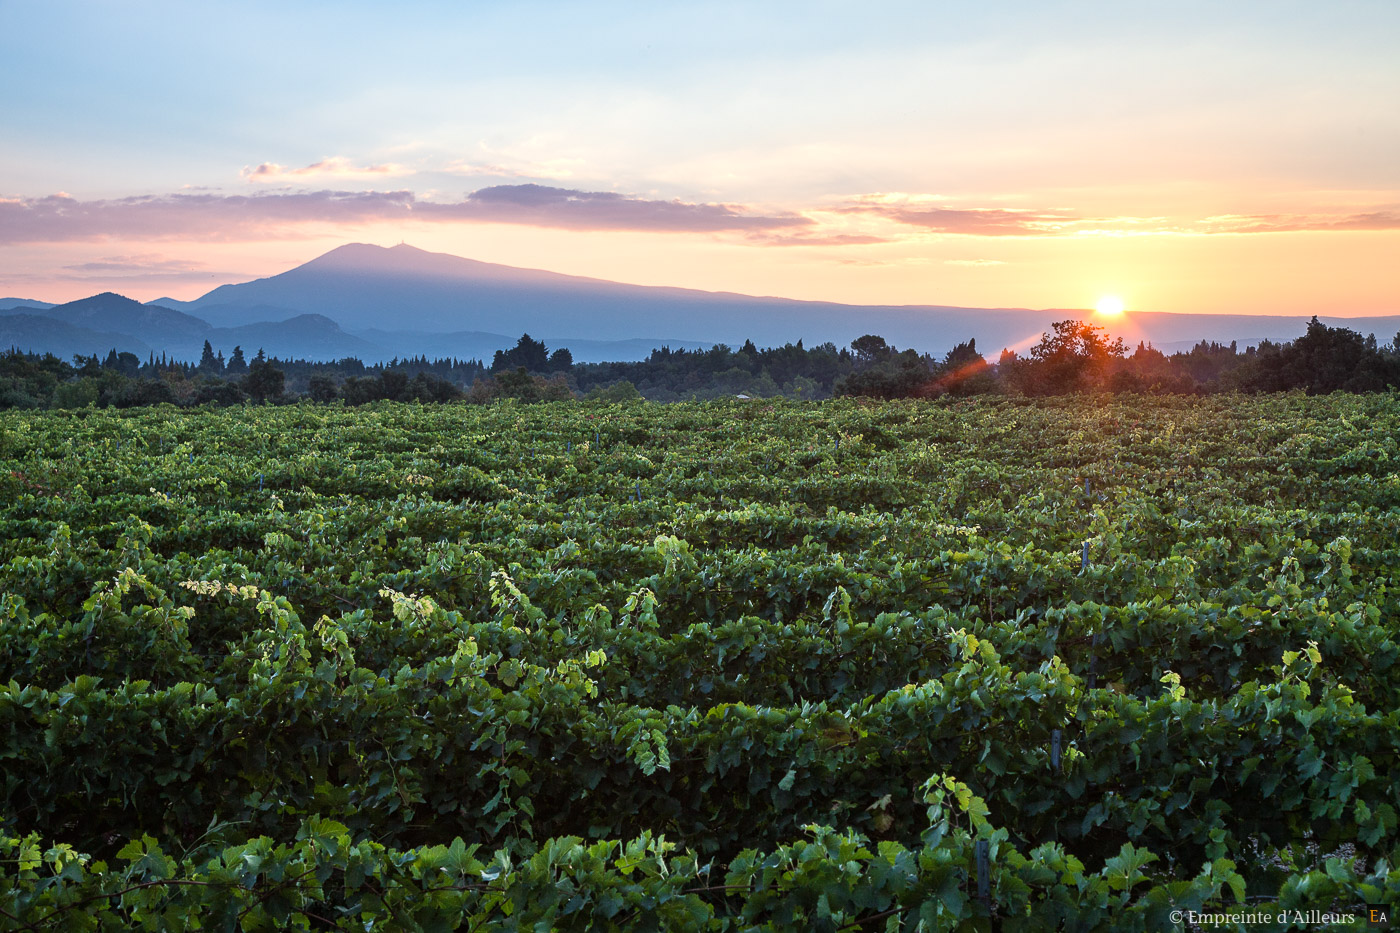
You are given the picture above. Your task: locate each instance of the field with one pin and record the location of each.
(828, 666)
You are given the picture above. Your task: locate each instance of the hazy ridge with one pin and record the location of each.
(376, 303)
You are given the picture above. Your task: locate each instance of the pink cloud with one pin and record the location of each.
(123, 265)
(1055, 222)
(815, 239)
(1284, 223)
(570, 209)
(215, 216)
(220, 217)
(969, 221)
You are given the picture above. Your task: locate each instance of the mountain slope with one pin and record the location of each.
(99, 323)
(403, 288)
(375, 303)
(306, 336)
(9, 304)
(118, 314)
(371, 288)
(40, 334)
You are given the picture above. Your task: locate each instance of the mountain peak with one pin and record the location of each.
(110, 311)
(102, 300)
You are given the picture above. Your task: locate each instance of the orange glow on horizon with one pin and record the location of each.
(1344, 274)
(1110, 306)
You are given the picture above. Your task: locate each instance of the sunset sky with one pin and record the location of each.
(1222, 157)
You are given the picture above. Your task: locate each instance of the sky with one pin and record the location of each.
(1188, 156)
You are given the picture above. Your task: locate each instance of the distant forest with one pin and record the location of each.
(1074, 357)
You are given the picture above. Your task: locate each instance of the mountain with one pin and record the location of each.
(97, 324)
(372, 290)
(306, 336)
(123, 323)
(41, 334)
(118, 314)
(402, 288)
(7, 304)
(376, 303)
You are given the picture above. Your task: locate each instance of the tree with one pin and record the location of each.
(395, 382)
(219, 392)
(1073, 357)
(895, 375)
(128, 364)
(963, 372)
(321, 388)
(87, 365)
(427, 387)
(208, 362)
(264, 381)
(530, 353)
(561, 360)
(621, 391)
(237, 366)
(142, 392)
(1328, 359)
(871, 349)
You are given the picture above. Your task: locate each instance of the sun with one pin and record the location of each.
(1110, 306)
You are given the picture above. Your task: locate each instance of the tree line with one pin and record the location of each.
(1077, 357)
(1073, 357)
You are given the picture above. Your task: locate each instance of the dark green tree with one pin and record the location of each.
(1331, 359)
(963, 372)
(321, 388)
(237, 366)
(395, 383)
(871, 349)
(210, 364)
(530, 353)
(264, 382)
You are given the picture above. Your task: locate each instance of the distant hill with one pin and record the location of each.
(371, 288)
(402, 288)
(376, 303)
(97, 324)
(39, 334)
(112, 312)
(7, 304)
(306, 336)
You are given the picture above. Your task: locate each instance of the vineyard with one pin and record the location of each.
(1078, 663)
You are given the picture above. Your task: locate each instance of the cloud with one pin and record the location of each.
(571, 209)
(141, 263)
(284, 214)
(968, 222)
(333, 167)
(974, 262)
(220, 217)
(815, 239)
(919, 211)
(142, 269)
(1388, 219)
(209, 217)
